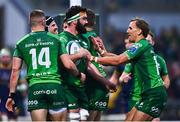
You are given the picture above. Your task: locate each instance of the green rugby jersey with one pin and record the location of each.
(72, 46)
(145, 65)
(136, 85)
(162, 66)
(87, 44)
(40, 52)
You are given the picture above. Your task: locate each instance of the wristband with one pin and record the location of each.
(96, 59)
(12, 96)
(92, 58)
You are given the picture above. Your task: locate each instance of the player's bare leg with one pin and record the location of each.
(94, 115)
(58, 115)
(91, 115)
(156, 120)
(98, 116)
(141, 116)
(130, 114)
(39, 115)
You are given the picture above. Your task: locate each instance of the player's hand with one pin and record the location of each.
(98, 43)
(125, 77)
(95, 43)
(112, 87)
(85, 53)
(82, 78)
(10, 104)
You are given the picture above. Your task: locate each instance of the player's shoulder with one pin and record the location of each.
(52, 35)
(63, 36)
(143, 42)
(160, 58)
(23, 38)
(89, 33)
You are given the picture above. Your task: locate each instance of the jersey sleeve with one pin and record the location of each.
(163, 66)
(136, 50)
(128, 68)
(63, 45)
(17, 52)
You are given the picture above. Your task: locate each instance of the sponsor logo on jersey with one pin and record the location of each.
(72, 104)
(155, 109)
(41, 74)
(45, 92)
(101, 104)
(134, 48)
(32, 102)
(58, 103)
(39, 43)
(73, 47)
(141, 105)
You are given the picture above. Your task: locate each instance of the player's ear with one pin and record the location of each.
(74, 22)
(140, 32)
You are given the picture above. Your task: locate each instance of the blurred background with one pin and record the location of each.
(114, 16)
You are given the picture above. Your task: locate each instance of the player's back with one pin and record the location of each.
(40, 51)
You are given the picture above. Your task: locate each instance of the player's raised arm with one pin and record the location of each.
(69, 65)
(92, 70)
(111, 60)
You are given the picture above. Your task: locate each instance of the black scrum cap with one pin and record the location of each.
(49, 19)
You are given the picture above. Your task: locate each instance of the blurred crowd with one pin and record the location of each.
(21, 96)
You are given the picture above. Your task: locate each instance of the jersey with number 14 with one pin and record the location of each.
(40, 51)
(145, 65)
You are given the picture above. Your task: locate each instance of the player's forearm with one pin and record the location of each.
(114, 80)
(111, 60)
(69, 65)
(115, 77)
(16, 67)
(92, 67)
(101, 80)
(97, 77)
(107, 54)
(75, 57)
(74, 70)
(14, 79)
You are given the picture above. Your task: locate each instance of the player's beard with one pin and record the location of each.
(55, 31)
(80, 28)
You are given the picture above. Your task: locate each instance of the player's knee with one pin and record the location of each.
(84, 114)
(74, 116)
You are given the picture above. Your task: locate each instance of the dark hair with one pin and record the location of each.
(73, 11)
(143, 25)
(37, 16)
(91, 18)
(151, 34)
(49, 19)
